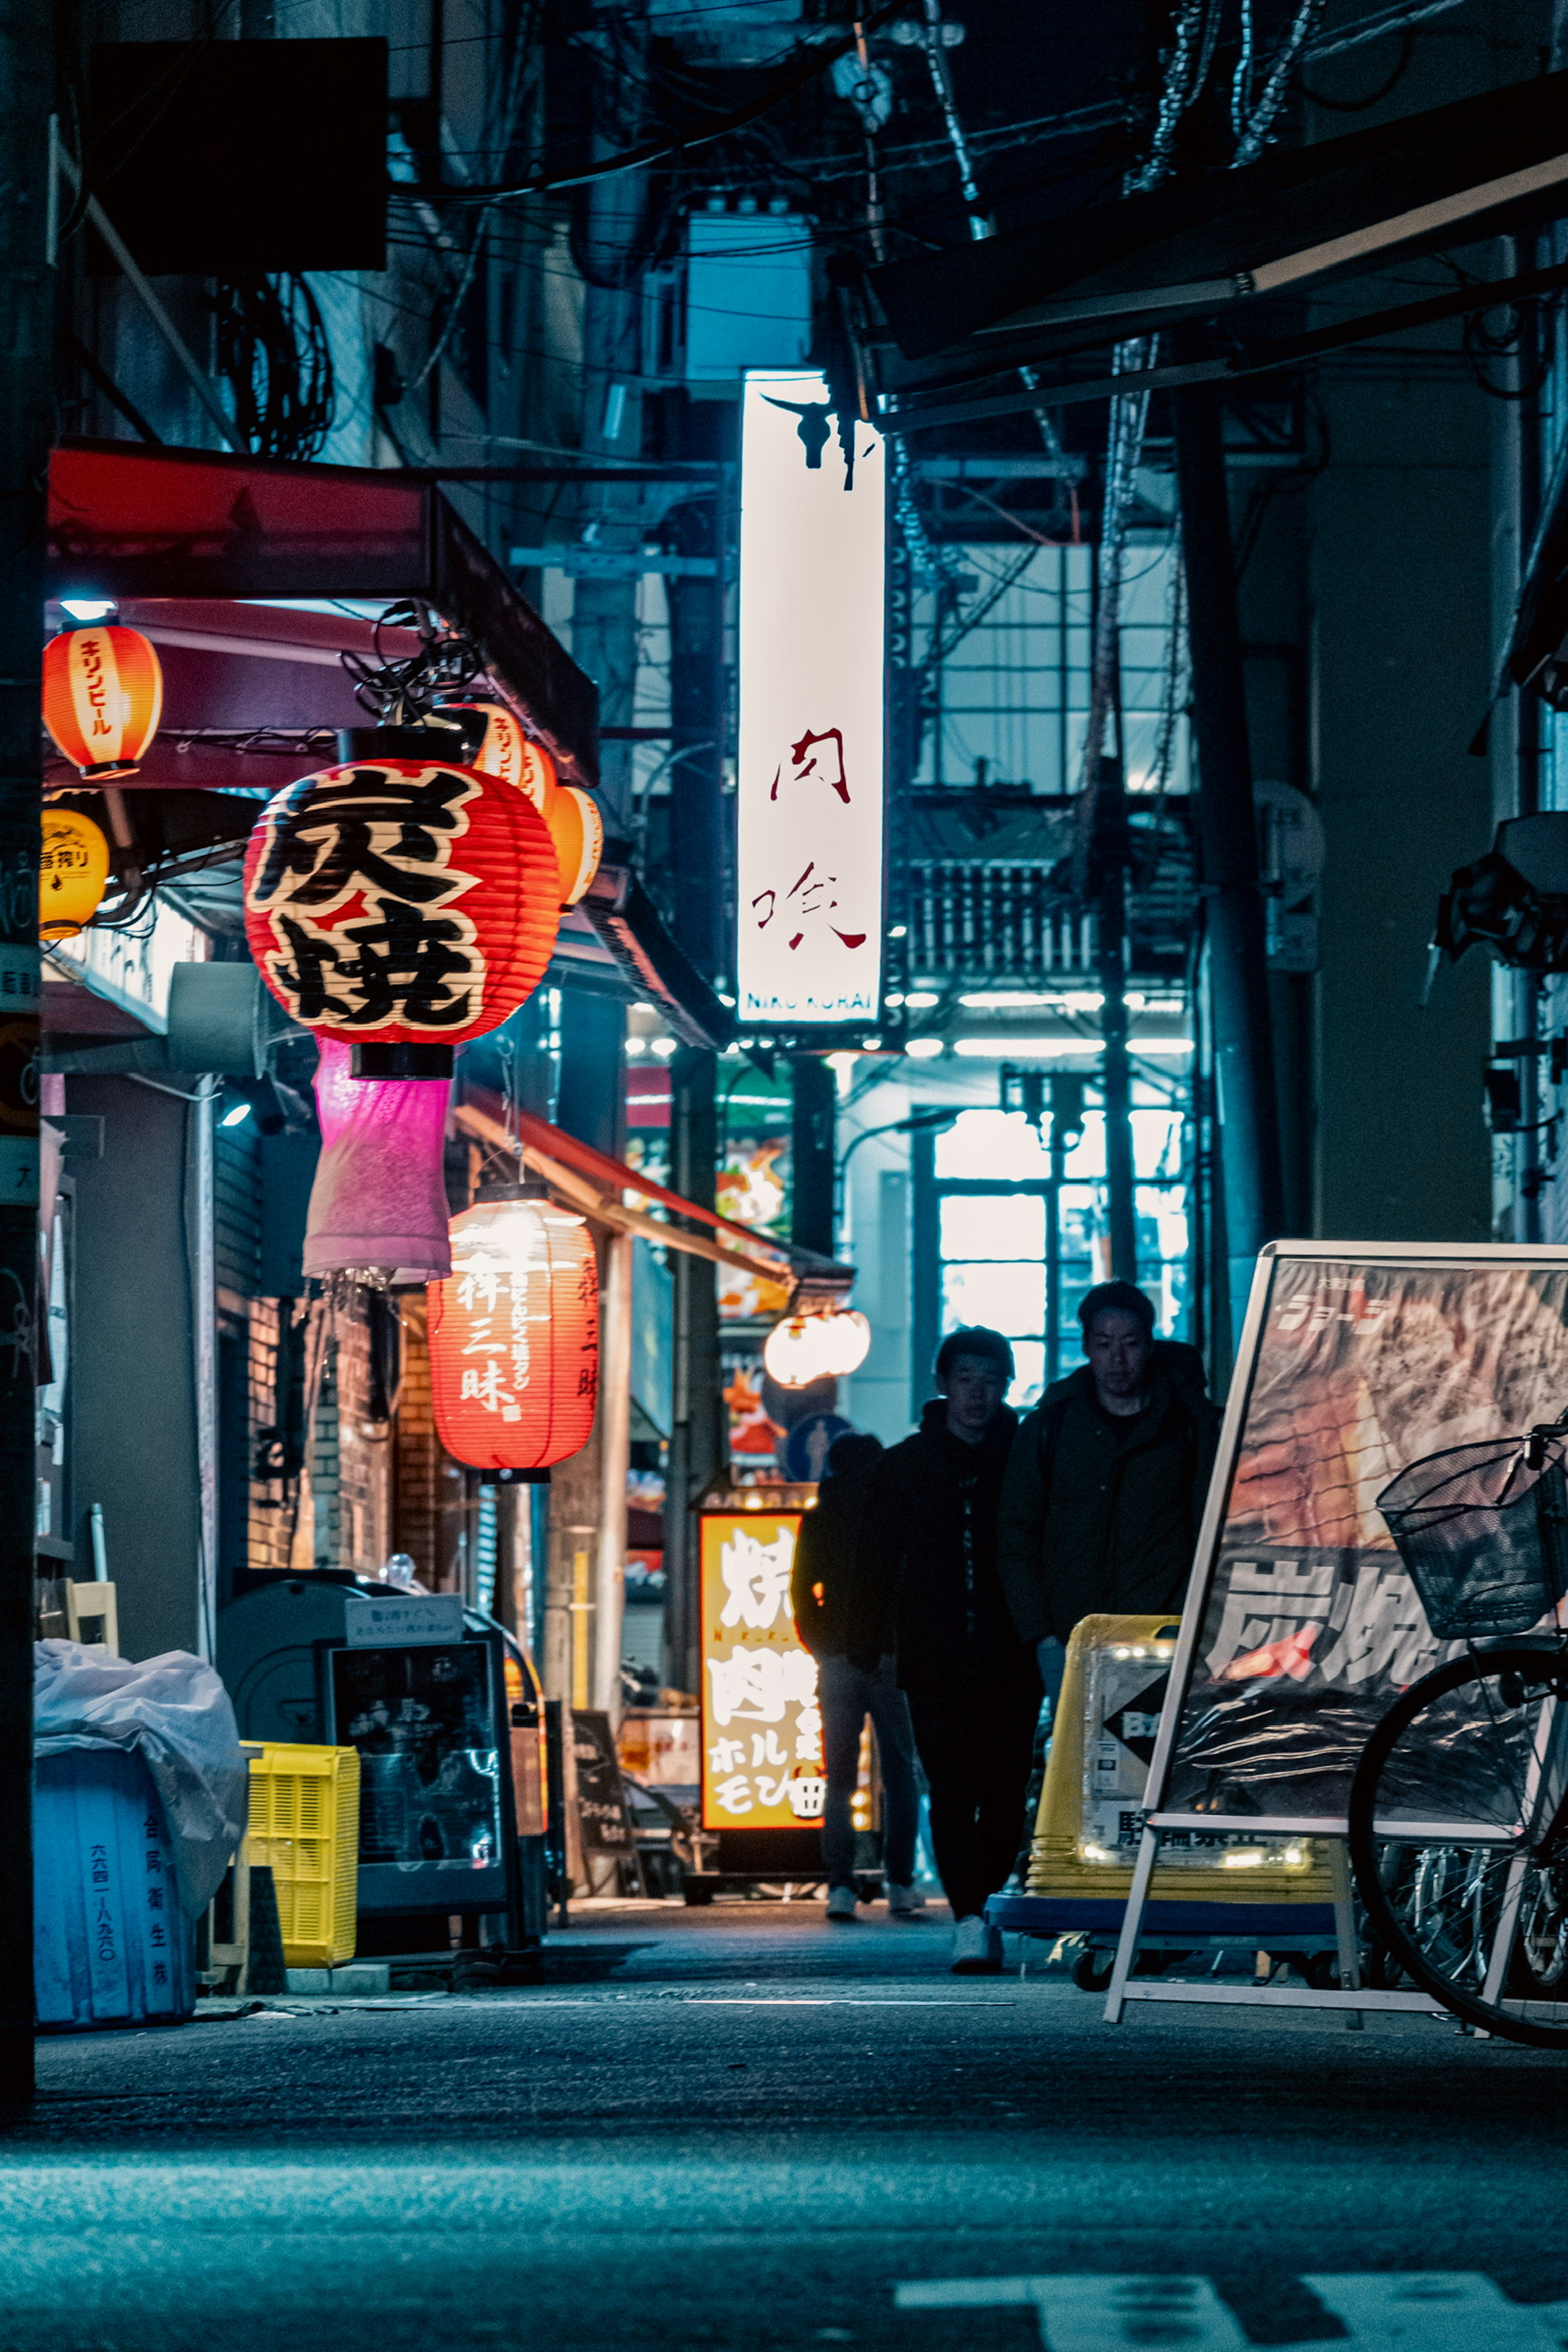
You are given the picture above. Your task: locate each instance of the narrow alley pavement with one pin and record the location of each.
(740, 2129)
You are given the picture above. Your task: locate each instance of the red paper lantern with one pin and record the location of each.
(103, 696)
(398, 901)
(514, 1336)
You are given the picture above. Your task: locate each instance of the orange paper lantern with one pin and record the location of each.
(398, 901)
(514, 1335)
(578, 832)
(103, 696)
(507, 752)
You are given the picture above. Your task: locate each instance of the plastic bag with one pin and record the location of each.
(173, 1710)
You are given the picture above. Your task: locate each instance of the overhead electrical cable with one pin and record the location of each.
(659, 150)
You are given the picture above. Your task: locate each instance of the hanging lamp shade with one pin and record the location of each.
(507, 752)
(73, 872)
(807, 1348)
(103, 696)
(402, 906)
(578, 832)
(378, 1206)
(514, 1336)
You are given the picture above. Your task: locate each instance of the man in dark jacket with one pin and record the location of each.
(1106, 1481)
(928, 1588)
(822, 1587)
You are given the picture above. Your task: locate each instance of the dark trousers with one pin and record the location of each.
(975, 1747)
(847, 1694)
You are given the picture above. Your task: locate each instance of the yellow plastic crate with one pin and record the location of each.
(304, 1824)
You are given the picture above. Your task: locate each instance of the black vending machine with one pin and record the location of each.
(444, 1710)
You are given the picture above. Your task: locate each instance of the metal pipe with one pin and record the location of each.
(1247, 1115)
(615, 1460)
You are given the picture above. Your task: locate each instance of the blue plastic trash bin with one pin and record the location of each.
(112, 1944)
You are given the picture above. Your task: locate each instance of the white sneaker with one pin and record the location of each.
(841, 1904)
(976, 1949)
(904, 1902)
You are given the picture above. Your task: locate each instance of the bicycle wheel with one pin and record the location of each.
(1457, 1843)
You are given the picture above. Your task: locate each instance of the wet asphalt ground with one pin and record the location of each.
(742, 2128)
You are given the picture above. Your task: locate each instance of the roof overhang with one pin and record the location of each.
(1192, 248)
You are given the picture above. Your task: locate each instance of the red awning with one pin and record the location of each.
(199, 541)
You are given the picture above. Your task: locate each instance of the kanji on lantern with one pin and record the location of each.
(514, 1336)
(401, 900)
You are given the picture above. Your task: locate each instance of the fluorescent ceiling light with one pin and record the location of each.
(637, 1045)
(233, 1117)
(920, 1000)
(924, 1049)
(1045, 1049)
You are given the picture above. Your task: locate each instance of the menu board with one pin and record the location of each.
(1302, 1624)
(761, 1727)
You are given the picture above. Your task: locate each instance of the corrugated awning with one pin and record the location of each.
(209, 539)
(597, 1185)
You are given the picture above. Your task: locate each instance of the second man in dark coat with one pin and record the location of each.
(928, 1589)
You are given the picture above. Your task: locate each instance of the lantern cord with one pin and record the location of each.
(400, 692)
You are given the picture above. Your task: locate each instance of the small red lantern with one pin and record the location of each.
(103, 696)
(514, 1335)
(401, 903)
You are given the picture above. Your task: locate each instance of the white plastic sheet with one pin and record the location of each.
(175, 1710)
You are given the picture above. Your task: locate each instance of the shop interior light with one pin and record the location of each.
(920, 1000)
(87, 608)
(923, 1049)
(235, 1117)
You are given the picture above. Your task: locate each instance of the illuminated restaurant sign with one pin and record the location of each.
(810, 784)
(762, 1729)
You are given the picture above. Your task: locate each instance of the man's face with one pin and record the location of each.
(1117, 1346)
(973, 1387)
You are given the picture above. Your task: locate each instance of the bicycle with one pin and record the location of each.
(1458, 1807)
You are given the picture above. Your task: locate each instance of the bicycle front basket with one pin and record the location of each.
(1483, 1536)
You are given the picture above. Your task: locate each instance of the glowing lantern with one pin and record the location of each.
(103, 696)
(578, 832)
(514, 1335)
(73, 871)
(507, 752)
(378, 1207)
(807, 1348)
(401, 903)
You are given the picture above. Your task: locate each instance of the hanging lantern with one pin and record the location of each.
(578, 832)
(807, 1348)
(103, 696)
(507, 752)
(402, 906)
(514, 1335)
(73, 872)
(378, 1208)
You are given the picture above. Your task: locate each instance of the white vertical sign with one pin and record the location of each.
(810, 822)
